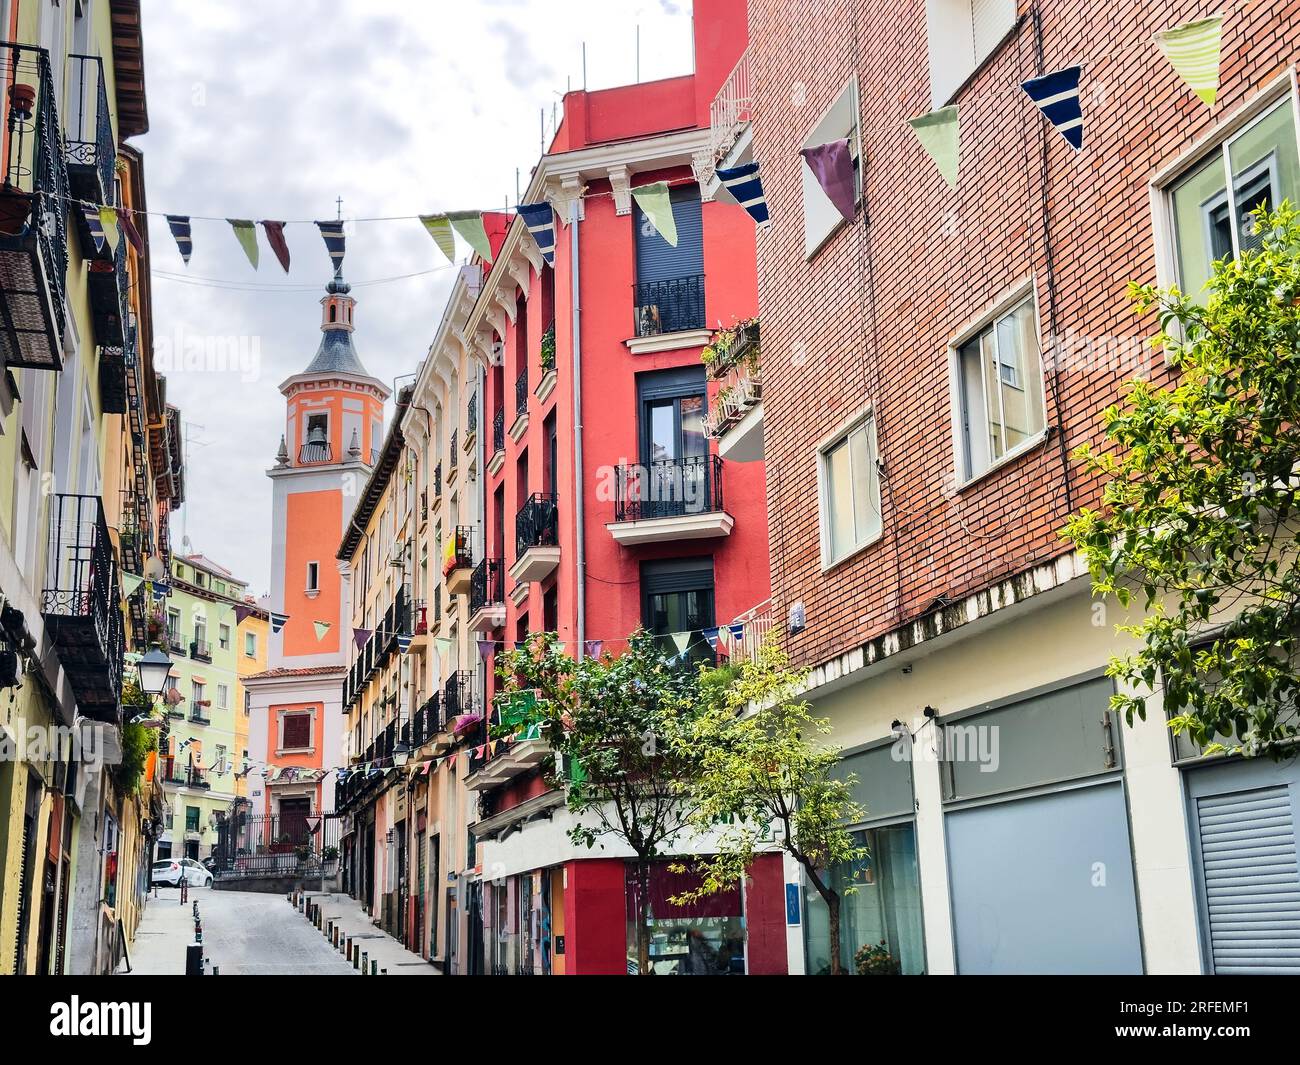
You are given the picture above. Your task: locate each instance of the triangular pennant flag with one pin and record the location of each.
(937, 132)
(335, 242)
(746, 188)
(1057, 96)
(592, 647)
(278, 621)
(179, 224)
(108, 220)
(275, 237)
(737, 631)
(1193, 50)
(540, 220)
(127, 223)
(130, 584)
(403, 643)
(469, 224)
(832, 165)
(485, 649)
(444, 645)
(321, 627)
(242, 613)
(656, 204)
(680, 640)
(711, 634)
(247, 237)
(360, 636)
(439, 227)
(95, 226)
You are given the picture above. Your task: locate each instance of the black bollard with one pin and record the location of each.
(194, 959)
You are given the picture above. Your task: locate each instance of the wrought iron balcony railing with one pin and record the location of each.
(730, 109)
(461, 552)
(670, 306)
(201, 650)
(521, 392)
(485, 585)
(454, 458)
(88, 145)
(315, 452)
(437, 481)
(80, 603)
(471, 414)
(499, 430)
(668, 489)
(33, 212)
(537, 523)
(458, 696)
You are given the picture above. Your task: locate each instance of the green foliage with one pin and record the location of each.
(548, 348)
(1198, 519)
(725, 346)
(874, 959)
(137, 742)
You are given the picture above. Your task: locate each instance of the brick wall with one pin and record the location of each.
(869, 319)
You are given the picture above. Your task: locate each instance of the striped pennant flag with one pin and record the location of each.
(540, 220)
(1193, 50)
(179, 224)
(746, 187)
(711, 634)
(96, 227)
(403, 643)
(439, 227)
(335, 242)
(278, 621)
(1057, 96)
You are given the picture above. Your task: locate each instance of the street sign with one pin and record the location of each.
(313, 824)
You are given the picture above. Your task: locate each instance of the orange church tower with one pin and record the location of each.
(333, 426)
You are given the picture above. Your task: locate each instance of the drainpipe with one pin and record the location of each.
(579, 508)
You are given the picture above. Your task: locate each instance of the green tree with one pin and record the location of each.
(763, 767)
(616, 722)
(1198, 517)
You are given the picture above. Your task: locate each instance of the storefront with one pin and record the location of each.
(701, 938)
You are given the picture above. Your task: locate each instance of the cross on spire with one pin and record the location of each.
(339, 203)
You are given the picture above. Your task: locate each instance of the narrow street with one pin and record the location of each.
(243, 933)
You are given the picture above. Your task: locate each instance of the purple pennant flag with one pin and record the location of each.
(593, 648)
(242, 612)
(832, 166)
(360, 636)
(485, 649)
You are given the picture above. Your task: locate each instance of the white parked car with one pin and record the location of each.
(170, 871)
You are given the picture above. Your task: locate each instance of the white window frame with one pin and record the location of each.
(1026, 290)
(313, 589)
(280, 748)
(223, 696)
(1216, 141)
(948, 76)
(821, 219)
(223, 637)
(867, 416)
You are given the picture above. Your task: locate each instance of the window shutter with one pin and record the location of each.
(297, 730)
(656, 259)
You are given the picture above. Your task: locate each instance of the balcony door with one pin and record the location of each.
(674, 449)
(677, 599)
(670, 278)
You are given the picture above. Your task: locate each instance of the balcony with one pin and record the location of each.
(459, 700)
(80, 603)
(487, 609)
(736, 418)
(88, 146)
(198, 718)
(315, 451)
(453, 458)
(498, 457)
(547, 384)
(176, 642)
(186, 776)
(729, 112)
(520, 425)
(537, 539)
(668, 314)
(676, 499)
(437, 483)
(107, 282)
(458, 560)
(471, 420)
(200, 650)
(33, 227)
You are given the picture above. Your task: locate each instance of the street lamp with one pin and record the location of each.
(154, 669)
(401, 754)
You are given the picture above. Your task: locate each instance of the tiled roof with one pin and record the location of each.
(305, 671)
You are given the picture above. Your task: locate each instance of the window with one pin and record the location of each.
(196, 693)
(670, 278)
(1000, 383)
(1261, 165)
(295, 731)
(674, 450)
(250, 645)
(248, 702)
(191, 819)
(174, 626)
(223, 637)
(313, 576)
(223, 696)
(850, 492)
(677, 598)
(821, 217)
(961, 35)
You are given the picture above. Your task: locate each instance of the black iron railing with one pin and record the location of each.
(437, 481)
(485, 585)
(33, 212)
(382, 642)
(521, 392)
(186, 775)
(454, 458)
(80, 601)
(537, 524)
(284, 845)
(88, 143)
(462, 551)
(499, 431)
(201, 650)
(458, 695)
(668, 489)
(315, 452)
(669, 306)
(471, 414)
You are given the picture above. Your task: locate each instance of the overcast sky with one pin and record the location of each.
(272, 109)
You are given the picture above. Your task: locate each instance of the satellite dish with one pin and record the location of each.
(154, 568)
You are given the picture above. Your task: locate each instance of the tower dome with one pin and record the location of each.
(336, 353)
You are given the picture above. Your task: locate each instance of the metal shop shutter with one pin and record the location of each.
(656, 259)
(1251, 880)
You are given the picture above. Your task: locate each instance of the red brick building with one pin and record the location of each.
(927, 369)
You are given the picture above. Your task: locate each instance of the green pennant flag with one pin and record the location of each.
(656, 201)
(1193, 50)
(937, 132)
(321, 627)
(439, 227)
(680, 640)
(130, 584)
(444, 645)
(247, 237)
(469, 224)
(108, 219)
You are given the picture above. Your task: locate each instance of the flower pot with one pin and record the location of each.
(22, 100)
(15, 210)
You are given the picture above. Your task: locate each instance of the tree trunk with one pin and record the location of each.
(833, 906)
(643, 918)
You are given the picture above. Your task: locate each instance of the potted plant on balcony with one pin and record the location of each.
(15, 210)
(731, 346)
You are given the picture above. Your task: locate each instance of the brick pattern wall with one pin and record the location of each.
(870, 318)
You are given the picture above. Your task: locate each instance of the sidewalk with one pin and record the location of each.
(371, 945)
